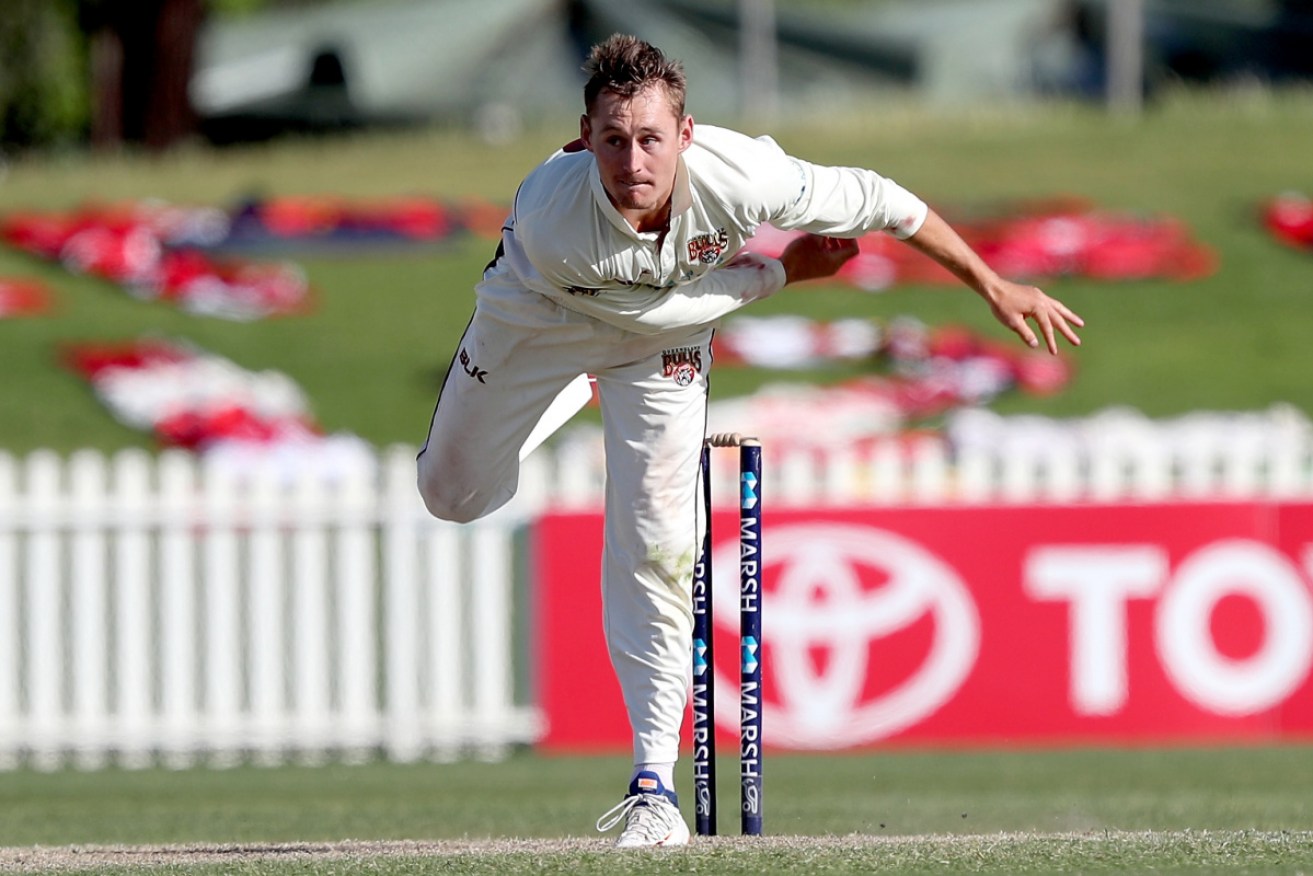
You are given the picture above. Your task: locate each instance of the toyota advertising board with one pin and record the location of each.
(1016, 625)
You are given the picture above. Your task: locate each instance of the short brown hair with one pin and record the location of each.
(625, 65)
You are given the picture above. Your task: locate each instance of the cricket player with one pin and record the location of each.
(621, 253)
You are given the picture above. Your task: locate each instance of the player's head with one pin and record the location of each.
(625, 66)
(635, 126)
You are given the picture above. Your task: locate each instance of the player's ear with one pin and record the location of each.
(685, 133)
(586, 131)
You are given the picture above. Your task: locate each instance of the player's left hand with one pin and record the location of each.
(1017, 305)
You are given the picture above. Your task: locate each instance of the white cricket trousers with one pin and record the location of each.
(518, 352)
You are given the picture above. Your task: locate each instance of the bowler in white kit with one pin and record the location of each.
(620, 254)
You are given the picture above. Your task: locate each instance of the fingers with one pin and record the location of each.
(1069, 333)
(1024, 331)
(813, 256)
(1063, 317)
(1067, 313)
(1052, 322)
(841, 245)
(842, 248)
(1046, 327)
(1051, 318)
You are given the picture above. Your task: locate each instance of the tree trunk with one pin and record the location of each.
(106, 88)
(142, 59)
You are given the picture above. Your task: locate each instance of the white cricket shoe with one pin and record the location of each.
(651, 815)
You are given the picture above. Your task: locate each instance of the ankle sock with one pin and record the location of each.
(664, 771)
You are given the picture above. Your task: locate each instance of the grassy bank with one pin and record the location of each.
(382, 330)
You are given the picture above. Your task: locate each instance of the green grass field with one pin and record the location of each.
(1228, 810)
(372, 352)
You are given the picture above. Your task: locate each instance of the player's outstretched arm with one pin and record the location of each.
(1014, 304)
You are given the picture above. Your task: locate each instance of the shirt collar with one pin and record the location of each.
(682, 198)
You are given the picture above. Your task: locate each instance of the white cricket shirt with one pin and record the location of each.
(565, 239)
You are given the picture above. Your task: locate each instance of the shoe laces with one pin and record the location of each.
(648, 819)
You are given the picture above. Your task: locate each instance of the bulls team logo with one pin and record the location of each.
(682, 364)
(706, 249)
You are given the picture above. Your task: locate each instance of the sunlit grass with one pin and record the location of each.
(371, 353)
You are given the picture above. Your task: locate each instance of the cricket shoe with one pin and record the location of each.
(650, 812)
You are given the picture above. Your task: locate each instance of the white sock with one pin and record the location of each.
(664, 771)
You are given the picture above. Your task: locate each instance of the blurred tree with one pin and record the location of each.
(43, 96)
(111, 70)
(237, 7)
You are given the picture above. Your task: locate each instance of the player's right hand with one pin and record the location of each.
(814, 256)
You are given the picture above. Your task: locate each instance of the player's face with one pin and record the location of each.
(637, 142)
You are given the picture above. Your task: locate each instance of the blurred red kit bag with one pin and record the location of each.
(22, 297)
(1289, 217)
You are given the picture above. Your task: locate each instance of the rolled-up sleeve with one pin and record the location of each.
(850, 201)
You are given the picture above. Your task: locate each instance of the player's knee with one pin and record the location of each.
(449, 497)
(455, 512)
(442, 496)
(445, 506)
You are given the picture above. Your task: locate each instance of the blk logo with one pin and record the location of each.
(470, 368)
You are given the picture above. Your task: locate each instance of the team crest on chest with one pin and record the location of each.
(707, 248)
(682, 364)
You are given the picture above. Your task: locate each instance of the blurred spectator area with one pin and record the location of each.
(1209, 41)
(495, 64)
(155, 71)
(498, 63)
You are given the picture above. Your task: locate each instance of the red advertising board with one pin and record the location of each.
(1008, 625)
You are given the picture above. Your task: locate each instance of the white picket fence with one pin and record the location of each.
(165, 609)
